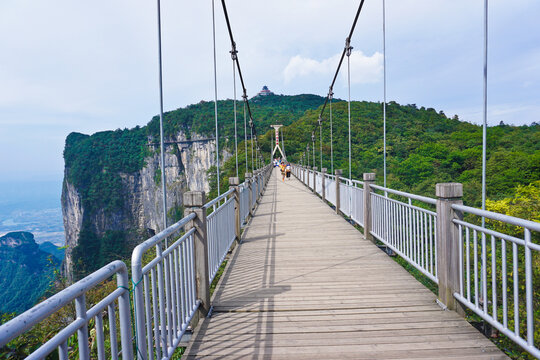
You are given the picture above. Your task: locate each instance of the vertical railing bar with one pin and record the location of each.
(475, 251)
(460, 234)
(516, 288)
(148, 310)
(529, 289)
(177, 322)
(82, 333)
(63, 353)
(155, 305)
(183, 280)
(468, 237)
(484, 274)
(504, 285)
(192, 275)
(167, 301)
(112, 331)
(431, 255)
(100, 338)
(494, 278)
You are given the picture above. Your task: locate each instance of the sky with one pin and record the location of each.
(92, 66)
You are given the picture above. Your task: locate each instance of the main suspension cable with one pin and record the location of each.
(236, 60)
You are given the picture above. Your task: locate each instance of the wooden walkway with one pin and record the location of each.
(304, 284)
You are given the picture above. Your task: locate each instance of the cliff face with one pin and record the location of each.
(141, 212)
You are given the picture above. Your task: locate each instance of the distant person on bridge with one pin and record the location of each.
(282, 167)
(288, 171)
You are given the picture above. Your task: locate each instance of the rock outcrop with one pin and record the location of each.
(186, 166)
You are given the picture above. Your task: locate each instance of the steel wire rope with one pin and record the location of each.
(346, 51)
(233, 56)
(215, 97)
(240, 76)
(384, 91)
(161, 137)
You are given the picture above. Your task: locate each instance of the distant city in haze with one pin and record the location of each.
(32, 206)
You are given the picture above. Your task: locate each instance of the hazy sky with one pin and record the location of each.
(89, 66)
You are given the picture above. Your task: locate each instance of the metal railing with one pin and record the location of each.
(407, 229)
(244, 203)
(318, 182)
(496, 275)
(330, 188)
(220, 230)
(345, 196)
(78, 327)
(164, 286)
(164, 290)
(492, 273)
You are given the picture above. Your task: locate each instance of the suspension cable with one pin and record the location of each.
(162, 148)
(236, 60)
(320, 140)
(233, 55)
(215, 96)
(349, 49)
(384, 91)
(245, 134)
(343, 54)
(484, 125)
(330, 96)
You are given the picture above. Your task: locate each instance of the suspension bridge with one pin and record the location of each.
(306, 275)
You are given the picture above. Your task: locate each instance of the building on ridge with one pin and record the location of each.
(265, 91)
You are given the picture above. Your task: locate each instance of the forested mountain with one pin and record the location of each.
(111, 192)
(424, 147)
(26, 271)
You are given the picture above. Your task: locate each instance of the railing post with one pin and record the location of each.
(338, 179)
(234, 182)
(248, 182)
(193, 203)
(323, 184)
(448, 244)
(82, 333)
(369, 178)
(307, 176)
(314, 179)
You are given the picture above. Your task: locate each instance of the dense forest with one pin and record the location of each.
(424, 147)
(26, 271)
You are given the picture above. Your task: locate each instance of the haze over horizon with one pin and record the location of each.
(91, 67)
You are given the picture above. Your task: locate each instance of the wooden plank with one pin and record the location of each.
(304, 284)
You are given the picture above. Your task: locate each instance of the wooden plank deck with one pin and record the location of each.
(304, 284)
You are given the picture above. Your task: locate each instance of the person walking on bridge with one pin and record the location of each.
(282, 168)
(288, 171)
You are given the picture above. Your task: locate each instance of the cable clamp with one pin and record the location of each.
(320, 120)
(330, 93)
(234, 51)
(348, 47)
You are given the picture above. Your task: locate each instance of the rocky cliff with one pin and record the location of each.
(112, 194)
(116, 231)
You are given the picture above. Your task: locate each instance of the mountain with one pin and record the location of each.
(111, 196)
(424, 147)
(50, 248)
(25, 271)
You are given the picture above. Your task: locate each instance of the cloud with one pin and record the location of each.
(364, 69)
